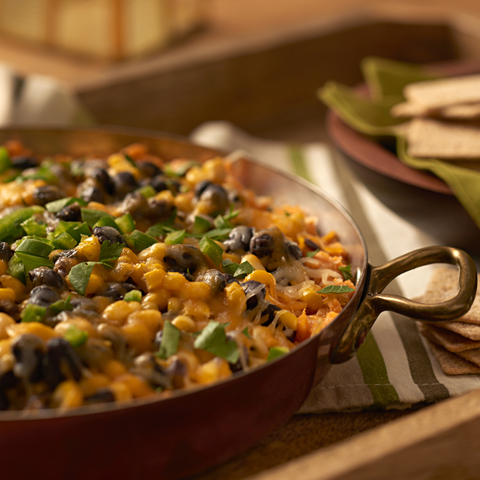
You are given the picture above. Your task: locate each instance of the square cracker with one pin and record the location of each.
(461, 111)
(451, 363)
(452, 341)
(442, 286)
(472, 356)
(467, 330)
(434, 94)
(429, 138)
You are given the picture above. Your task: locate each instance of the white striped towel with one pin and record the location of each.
(394, 368)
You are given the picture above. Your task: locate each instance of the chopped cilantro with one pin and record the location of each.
(346, 272)
(312, 254)
(170, 339)
(214, 340)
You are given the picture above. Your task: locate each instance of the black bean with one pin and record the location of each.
(268, 315)
(184, 257)
(216, 197)
(148, 169)
(294, 250)
(311, 244)
(6, 252)
(124, 183)
(70, 213)
(28, 350)
(201, 187)
(108, 233)
(214, 278)
(46, 276)
(65, 261)
(230, 278)
(159, 183)
(238, 365)
(91, 193)
(23, 162)
(147, 367)
(61, 361)
(262, 245)
(116, 290)
(255, 291)
(46, 194)
(103, 179)
(102, 395)
(116, 337)
(239, 239)
(43, 296)
(159, 210)
(10, 308)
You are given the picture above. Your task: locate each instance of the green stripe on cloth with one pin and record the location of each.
(375, 374)
(370, 359)
(297, 160)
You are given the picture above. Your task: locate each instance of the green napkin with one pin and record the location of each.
(385, 80)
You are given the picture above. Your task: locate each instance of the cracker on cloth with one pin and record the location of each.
(428, 138)
(434, 94)
(442, 286)
(451, 363)
(452, 341)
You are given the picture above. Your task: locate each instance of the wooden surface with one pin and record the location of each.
(261, 72)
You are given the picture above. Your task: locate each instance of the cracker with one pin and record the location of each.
(464, 329)
(442, 286)
(451, 363)
(428, 138)
(462, 111)
(472, 356)
(451, 341)
(436, 94)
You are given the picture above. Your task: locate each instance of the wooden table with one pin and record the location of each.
(261, 72)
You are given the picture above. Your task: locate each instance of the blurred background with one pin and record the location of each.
(171, 65)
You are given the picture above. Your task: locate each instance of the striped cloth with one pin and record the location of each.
(394, 368)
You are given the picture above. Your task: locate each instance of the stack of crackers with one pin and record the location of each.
(455, 344)
(445, 118)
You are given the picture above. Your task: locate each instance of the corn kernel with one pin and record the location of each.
(236, 296)
(82, 324)
(118, 163)
(96, 280)
(67, 394)
(198, 290)
(137, 386)
(185, 323)
(152, 319)
(3, 267)
(5, 347)
(174, 304)
(264, 277)
(253, 261)
(195, 175)
(114, 368)
(212, 371)
(118, 312)
(36, 328)
(157, 299)
(139, 337)
(90, 248)
(91, 384)
(184, 202)
(121, 391)
(214, 170)
(155, 279)
(7, 281)
(5, 320)
(174, 281)
(288, 319)
(313, 299)
(156, 251)
(197, 309)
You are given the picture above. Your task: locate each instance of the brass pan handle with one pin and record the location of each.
(375, 303)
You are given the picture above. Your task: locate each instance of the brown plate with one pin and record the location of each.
(368, 152)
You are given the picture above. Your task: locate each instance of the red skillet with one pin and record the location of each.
(191, 431)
